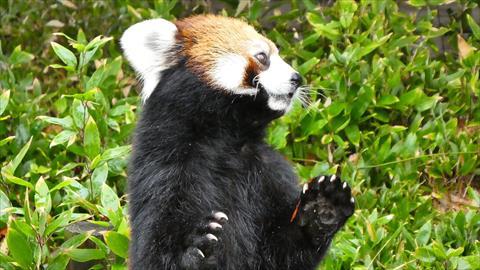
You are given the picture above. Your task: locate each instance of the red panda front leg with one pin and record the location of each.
(300, 241)
(203, 243)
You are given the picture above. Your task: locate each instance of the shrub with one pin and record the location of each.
(393, 108)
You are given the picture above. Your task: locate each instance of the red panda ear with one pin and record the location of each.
(148, 47)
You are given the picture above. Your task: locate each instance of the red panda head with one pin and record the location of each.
(225, 53)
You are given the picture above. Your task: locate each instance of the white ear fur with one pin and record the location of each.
(146, 46)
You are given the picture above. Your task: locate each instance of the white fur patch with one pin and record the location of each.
(276, 79)
(278, 104)
(146, 46)
(256, 46)
(228, 74)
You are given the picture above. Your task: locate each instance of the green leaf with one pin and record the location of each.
(60, 221)
(439, 250)
(455, 252)
(119, 110)
(42, 195)
(423, 235)
(277, 136)
(117, 152)
(387, 100)
(4, 98)
(109, 198)
(66, 122)
(425, 254)
(329, 30)
(6, 140)
(4, 204)
(308, 66)
(410, 145)
(64, 54)
(63, 137)
(97, 42)
(24, 228)
(411, 97)
(364, 50)
(16, 180)
(468, 263)
(474, 26)
(424, 103)
(335, 109)
(79, 113)
(119, 267)
(20, 57)
(85, 255)
(347, 11)
(98, 178)
(353, 134)
(20, 248)
(417, 3)
(76, 240)
(62, 184)
(10, 168)
(117, 242)
(96, 78)
(327, 138)
(91, 139)
(340, 123)
(60, 262)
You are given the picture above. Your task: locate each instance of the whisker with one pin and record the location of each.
(256, 81)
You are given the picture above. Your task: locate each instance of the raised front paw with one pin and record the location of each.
(325, 205)
(204, 242)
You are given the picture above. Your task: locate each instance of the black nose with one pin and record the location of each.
(296, 80)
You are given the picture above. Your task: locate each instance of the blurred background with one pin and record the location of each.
(393, 108)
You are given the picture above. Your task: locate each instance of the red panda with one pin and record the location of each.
(205, 190)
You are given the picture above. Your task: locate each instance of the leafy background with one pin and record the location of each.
(393, 108)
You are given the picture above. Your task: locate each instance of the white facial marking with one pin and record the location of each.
(277, 104)
(276, 79)
(146, 46)
(228, 73)
(277, 82)
(257, 46)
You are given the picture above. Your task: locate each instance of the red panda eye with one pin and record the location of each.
(262, 58)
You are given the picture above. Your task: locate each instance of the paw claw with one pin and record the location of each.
(344, 185)
(305, 188)
(211, 237)
(333, 177)
(200, 253)
(220, 216)
(214, 226)
(321, 179)
(352, 200)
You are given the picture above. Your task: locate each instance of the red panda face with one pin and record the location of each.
(225, 53)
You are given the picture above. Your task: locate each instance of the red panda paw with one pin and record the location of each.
(325, 205)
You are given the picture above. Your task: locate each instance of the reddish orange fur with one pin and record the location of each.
(205, 38)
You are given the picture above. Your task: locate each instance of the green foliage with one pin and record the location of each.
(391, 111)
